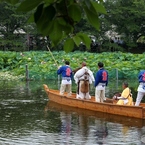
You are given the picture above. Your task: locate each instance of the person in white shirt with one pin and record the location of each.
(141, 87)
(83, 78)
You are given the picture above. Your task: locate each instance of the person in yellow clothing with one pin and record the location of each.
(126, 96)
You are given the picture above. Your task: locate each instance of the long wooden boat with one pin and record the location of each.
(107, 107)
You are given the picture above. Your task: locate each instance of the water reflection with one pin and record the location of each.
(101, 131)
(83, 128)
(92, 127)
(65, 127)
(27, 117)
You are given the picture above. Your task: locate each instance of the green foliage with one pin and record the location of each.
(75, 12)
(13, 24)
(9, 77)
(60, 20)
(57, 19)
(41, 65)
(10, 1)
(126, 17)
(28, 5)
(68, 43)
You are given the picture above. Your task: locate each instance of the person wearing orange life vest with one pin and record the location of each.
(141, 87)
(83, 78)
(67, 75)
(101, 81)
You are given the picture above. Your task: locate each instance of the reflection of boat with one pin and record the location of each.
(106, 107)
(128, 121)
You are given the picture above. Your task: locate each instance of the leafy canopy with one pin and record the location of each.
(127, 18)
(57, 18)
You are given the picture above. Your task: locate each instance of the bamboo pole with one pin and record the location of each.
(52, 56)
(58, 78)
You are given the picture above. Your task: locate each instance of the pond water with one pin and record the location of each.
(27, 117)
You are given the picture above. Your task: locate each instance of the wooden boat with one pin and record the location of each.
(124, 120)
(107, 107)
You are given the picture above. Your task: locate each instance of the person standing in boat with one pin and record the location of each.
(83, 78)
(126, 96)
(101, 81)
(66, 83)
(141, 87)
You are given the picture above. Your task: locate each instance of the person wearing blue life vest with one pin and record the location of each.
(101, 81)
(141, 87)
(67, 75)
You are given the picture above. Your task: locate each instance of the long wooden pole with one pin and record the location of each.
(52, 56)
(27, 73)
(57, 66)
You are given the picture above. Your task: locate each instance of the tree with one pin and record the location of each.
(12, 25)
(126, 17)
(57, 18)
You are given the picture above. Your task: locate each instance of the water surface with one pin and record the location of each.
(29, 118)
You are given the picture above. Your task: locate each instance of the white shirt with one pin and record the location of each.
(101, 86)
(80, 75)
(140, 88)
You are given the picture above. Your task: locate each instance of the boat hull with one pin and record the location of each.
(107, 107)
